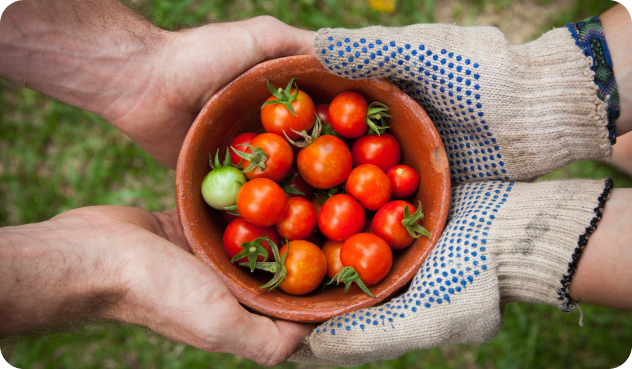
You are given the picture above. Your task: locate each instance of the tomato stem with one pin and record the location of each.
(252, 250)
(277, 266)
(216, 164)
(309, 139)
(257, 158)
(283, 97)
(377, 113)
(410, 222)
(348, 275)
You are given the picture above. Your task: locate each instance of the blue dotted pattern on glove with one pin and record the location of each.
(456, 261)
(445, 84)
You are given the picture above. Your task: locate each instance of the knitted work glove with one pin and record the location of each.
(503, 112)
(504, 241)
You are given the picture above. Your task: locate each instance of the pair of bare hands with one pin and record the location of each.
(150, 84)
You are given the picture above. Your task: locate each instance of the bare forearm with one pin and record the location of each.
(604, 273)
(84, 53)
(617, 26)
(46, 281)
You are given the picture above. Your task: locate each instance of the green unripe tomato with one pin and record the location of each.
(221, 186)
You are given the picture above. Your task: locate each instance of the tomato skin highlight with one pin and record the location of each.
(276, 118)
(261, 202)
(369, 185)
(387, 224)
(370, 255)
(240, 231)
(347, 114)
(306, 267)
(341, 217)
(331, 249)
(299, 220)
(404, 180)
(280, 157)
(383, 151)
(243, 138)
(325, 163)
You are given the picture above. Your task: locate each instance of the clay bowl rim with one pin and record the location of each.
(261, 302)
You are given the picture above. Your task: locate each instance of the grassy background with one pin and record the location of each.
(55, 158)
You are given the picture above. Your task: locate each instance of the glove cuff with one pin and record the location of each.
(541, 237)
(589, 36)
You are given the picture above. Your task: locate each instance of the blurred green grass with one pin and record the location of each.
(56, 157)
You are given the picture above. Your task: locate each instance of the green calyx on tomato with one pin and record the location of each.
(257, 158)
(377, 114)
(309, 139)
(323, 195)
(320, 129)
(348, 275)
(277, 267)
(329, 130)
(283, 97)
(221, 185)
(285, 185)
(410, 223)
(252, 250)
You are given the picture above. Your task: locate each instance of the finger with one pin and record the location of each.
(276, 39)
(170, 224)
(268, 342)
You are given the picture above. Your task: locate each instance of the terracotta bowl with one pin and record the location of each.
(235, 109)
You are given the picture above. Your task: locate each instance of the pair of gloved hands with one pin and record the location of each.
(506, 115)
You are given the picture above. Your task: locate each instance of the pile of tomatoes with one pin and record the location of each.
(271, 193)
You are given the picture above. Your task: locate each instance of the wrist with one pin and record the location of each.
(617, 26)
(541, 236)
(88, 55)
(54, 276)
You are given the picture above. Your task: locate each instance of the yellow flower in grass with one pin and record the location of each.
(386, 6)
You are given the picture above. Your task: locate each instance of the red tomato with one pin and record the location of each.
(341, 217)
(369, 185)
(325, 163)
(276, 118)
(240, 231)
(280, 157)
(404, 180)
(262, 202)
(243, 138)
(369, 255)
(322, 110)
(299, 220)
(306, 267)
(387, 224)
(298, 183)
(382, 150)
(331, 249)
(347, 114)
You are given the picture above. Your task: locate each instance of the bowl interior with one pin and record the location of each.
(235, 109)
